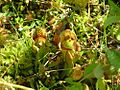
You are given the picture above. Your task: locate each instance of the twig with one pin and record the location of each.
(14, 28)
(94, 27)
(89, 9)
(43, 56)
(16, 86)
(58, 70)
(6, 70)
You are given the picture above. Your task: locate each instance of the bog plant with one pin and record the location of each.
(39, 50)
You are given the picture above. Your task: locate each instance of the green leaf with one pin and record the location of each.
(17, 19)
(32, 24)
(94, 70)
(75, 86)
(69, 80)
(89, 69)
(44, 88)
(98, 71)
(110, 20)
(114, 9)
(100, 84)
(118, 35)
(118, 88)
(5, 8)
(114, 14)
(113, 57)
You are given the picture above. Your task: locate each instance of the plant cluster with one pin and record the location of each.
(59, 45)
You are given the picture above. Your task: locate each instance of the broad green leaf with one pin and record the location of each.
(98, 71)
(75, 86)
(114, 9)
(89, 69)
(113, 57)
(110, 20)
(94, 69)
(69, 80)
(100, 84)
(114, 14)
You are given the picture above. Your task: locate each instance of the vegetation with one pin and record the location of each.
(59, 45)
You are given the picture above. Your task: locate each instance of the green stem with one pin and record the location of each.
(15, 86)
(105, 37)
(14, 28)
(58, 70)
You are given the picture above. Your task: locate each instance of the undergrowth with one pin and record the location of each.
(59, 45)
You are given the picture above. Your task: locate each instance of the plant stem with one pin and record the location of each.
(105, 37)
(58, 70)
(16, 86)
